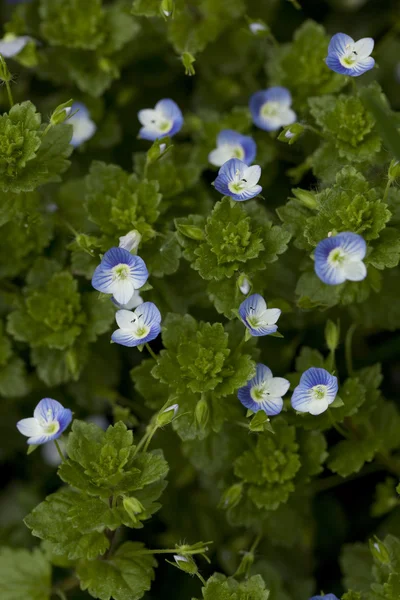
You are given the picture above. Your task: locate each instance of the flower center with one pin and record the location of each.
(270, 110)
(336, 257)
(140, 329)
(318, 392)
(162, 124)
(121, 272)
(350, 58)
(238, 185)
(51, 428)
(259, 393)
(237, 152)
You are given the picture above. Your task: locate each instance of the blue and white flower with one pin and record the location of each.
(49, 421)
(347, 57)
(11, 45)
(340, 258)
(83, 126)
(259, 319)
(237, 180)
(325, 597)
(316, 391)
(231, 144)
(165, 119)
(271, 109)
(137, 327)
(120, 273)
(264, 392)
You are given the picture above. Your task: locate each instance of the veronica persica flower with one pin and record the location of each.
(237, 180)
(11, 45)
(258, 319)
(340, 258)
(137, 327)
(165, 119)
(326, 597)
(316, 391)
(348, 57)
(271, 109)
(264, 392)
(49, 420)
(83, 126)
(120, 273)
(231, 144)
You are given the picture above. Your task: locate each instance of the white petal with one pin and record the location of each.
(124, 319)
(355, 270)
(146, 116)
(252, 175)
(364, 47)
(30, 427)
(317, 407)
(270, 316)
(122, 291)
(278, 386)
(220, 155)
(287, 116)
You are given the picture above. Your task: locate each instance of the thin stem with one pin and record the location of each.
(255, 543)
(338, 427)
(333, 481)
(60, 452)
(203, 581)
(387, 188)
(150, 437)
(314, 130)
(9, 94)
(151, 352)
(347, 349)
(168, 551)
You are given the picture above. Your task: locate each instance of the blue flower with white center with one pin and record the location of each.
(258, 319)
(137, 327)
(340, 258)
(264, 392)
(271, 109)
(83, 126)
(11, 45)
(165, 119)
(237, 180)
(316, 391)
(120, 273)
(49, 421)
(231, 144)
(347, 57)
(326, 597)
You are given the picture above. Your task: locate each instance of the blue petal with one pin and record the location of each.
(231, 167)
(301, 398)
(150, 134)
(263, 373)
(338, 43)
(263, 330)
(332, 61)
(171, 111)
(250, 149)
(83, 111)
(327, 273)
(229, 136)
(326, 597)
(273, 406)
(366, 64)
(252, 305)
(352, 243)
(139, 272)
(257, 100)
(125, 338)
(279, 94)
(116, 256)
(245, 398)
(150, 313)
(246, 194)
(318, 376)
(221, 185)
(48, 410)
(64, 420)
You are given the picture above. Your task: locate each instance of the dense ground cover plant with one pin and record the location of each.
(199, 316)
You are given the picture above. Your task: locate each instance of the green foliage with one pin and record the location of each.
(219, 587)
(25, 575)
(71, 23)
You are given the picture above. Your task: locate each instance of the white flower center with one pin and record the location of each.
(160, 123)
(271, 109)
(139, 328)
(49, 427)
(350, 57)
(337, 257)
(259, 393)
(238, 185)
(121, 272)
(318, 392)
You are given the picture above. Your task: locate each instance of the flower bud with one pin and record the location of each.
(231, 497)
(291, 133)
(133, 507)
(259, 28)
(167, 9)
(166, 416)
(5, 74)
(61, 113)
(130, 241)
(190, 231)
(305, 197)
(186, 563)
(188, 60)
(202, 413)
(394, 170)
(244, 285)
(332, 334)
(245, 564)
(379, 551)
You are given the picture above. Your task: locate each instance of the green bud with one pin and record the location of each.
(259, 28)
(202, 413)
(186, 563)
(166, 416)
(291, 133)
(167, 9)
(231, 497)
(394, 170)
(133, 507)
(188, 60)
(5, 74)
(72, 363)
(245, 564)
(258, 421)
(157, 150)
(61, 113)
(305, 197)
(379, 551)
(191, 231)
(332, 335)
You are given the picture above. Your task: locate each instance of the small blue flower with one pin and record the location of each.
(165, 119)
(49, 420)
(237, 180)
(264, 392)
(231, 144)
(11, 45)
(120, 273)
(347, 57)
(326, 597)
(271, 109)
(137, 327)
(340, 258)
(316, 391)
(83, 126)
(258, 319)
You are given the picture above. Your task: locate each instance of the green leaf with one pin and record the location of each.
(24, 575)
(72, 24)
(349, 456)
(372, 99)
(356, 564)
(219, 587)
(126, 575)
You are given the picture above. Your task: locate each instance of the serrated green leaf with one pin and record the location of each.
(24, 575)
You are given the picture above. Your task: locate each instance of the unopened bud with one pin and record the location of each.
(305, 197)
(202, 413)
(244, 285)
(133, 507)
(185, 563)
(245, 564)
(188, 60)
(258, 28)
(231, 497)
(167, 8)
(190, 231)
(379, 550)
(61, 113)
(394, 170)
(332, 334)
(5, 74)
(130, 241)
(291, 133)
(166, 416)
